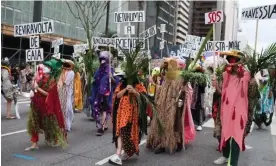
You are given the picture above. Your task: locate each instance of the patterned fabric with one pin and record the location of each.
(6, 86)
(266, 100)
(127, 120)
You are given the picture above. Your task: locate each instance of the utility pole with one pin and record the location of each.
(107, 17)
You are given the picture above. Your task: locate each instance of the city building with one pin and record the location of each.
(231, 9)
(182, 21)
(65, 26)
(197, 24)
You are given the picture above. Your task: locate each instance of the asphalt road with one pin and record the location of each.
(85, 148)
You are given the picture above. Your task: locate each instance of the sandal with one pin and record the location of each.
(31, 148)
(10, 117)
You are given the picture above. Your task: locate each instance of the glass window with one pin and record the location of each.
(57, 27)
(25, 18)
(58, 15)
(9, 16)
(3, 2)
(17, 17)
(9, 3)
(52, 13)
(26, 6)
(18, 5)
(3, 14)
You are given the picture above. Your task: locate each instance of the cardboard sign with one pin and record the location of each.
(80, 48)
(34, 42)
(214, 17)
(34, 55)
(162, 45)
(45, 27)
(128, 43)
(56, 49)
(259, 12)
(223, 45)
(129, 16)
(129, 30)
(101, 41)
(57, 42)
(162, 28)
(180, 51)
(148, 33)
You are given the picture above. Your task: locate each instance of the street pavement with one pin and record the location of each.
(85, 148)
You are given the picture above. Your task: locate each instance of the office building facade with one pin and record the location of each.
(182, 22)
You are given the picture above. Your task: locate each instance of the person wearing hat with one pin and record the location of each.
(46, 115)
(7, 89)
(101, 95)
(235, 108)
(66, 92)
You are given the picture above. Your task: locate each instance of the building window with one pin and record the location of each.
(17, 17)
(3, 13)
(9, 15)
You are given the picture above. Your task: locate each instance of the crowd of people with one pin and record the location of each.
(169, 105)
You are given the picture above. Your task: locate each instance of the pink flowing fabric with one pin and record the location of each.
(234, 108)
(189, 127)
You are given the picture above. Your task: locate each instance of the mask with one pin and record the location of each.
(232, 60)
(47, 70)
(103, 61)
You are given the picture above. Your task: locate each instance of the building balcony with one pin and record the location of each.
(181, 34)
(179, 41)
(182, 11)
(179, 28)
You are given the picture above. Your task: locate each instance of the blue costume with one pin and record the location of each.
(101, 95)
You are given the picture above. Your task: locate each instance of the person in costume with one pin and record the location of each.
(46, 115)
(78, 92)
(166, 100)
(235, 116)
(101, 95)
(8, 90)
(264, 112)
(66, 92)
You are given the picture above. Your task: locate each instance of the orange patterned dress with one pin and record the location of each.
(127, 124)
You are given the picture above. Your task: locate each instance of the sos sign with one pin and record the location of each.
(214, 17)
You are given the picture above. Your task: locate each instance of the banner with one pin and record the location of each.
(224, 45)
(35, 28)
(259, 12)
(129, 16)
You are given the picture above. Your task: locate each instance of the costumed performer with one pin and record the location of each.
(101, 95)
(235, 108)
(167, 105)
(66, 92)
(8, 91)
(46, 115)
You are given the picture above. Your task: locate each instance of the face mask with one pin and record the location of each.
(47, 70)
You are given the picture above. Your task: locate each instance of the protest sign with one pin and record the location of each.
(214, 17)
(129, 43)
(45, 27)
(57, 42)
(259, 12)
(223, 45)
(34, 42)
(129, 16)
(102, 41)
(34, 55)
(148, 33)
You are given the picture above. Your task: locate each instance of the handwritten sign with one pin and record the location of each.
(148, 33)
(128, 43)
(223, 45)
(101, 41)
(130, 30)
(129, 16)
(193, 42)
(214, 17)
(45, 27)
(180, 51)
(80, 48)
(259, 12)
(34, 55)
(57, 42)
(162, 28)
(34, 42)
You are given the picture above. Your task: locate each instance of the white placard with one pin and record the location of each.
(129, 30)
(34, 55)
(80, 48)
(193, 42)
(128, 43)
(259, 12)
(148, 33)
(56, 49)
(162, 43)
(214, 17)
(224, 45)
(101, 41)
(57, 42)
(129, 16)
(162, 28)
(34, 41)
(35, 28)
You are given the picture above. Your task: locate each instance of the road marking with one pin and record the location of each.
(248, 147)
(24, 157)
(11, 133)
(209, 124)
(273, 125)
(105, 160)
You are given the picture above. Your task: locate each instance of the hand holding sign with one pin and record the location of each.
(214, 17)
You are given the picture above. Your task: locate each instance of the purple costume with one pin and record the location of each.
(101, 95)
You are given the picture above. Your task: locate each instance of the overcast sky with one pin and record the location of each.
(267, 28)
